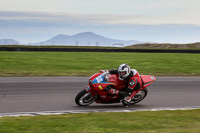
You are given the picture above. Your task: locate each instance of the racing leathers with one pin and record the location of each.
(133, 84)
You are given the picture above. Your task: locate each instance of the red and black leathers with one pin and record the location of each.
(133, 82)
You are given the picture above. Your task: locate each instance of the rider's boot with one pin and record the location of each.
(127, 99)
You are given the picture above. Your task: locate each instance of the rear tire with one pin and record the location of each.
(84, 98)
(139, 96)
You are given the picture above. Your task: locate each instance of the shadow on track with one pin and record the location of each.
(110, 107)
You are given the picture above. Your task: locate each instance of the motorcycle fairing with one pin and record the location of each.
(147, 79)
(99, 79)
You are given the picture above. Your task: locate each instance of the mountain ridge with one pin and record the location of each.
(85, 39)
(8, 42)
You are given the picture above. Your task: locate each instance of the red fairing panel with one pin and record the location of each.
(118, 84)
(147, 79)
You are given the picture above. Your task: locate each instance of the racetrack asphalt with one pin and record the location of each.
(36, 94)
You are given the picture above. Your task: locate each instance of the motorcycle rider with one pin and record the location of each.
(133, 81)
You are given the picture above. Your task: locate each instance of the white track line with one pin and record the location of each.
(17, 114)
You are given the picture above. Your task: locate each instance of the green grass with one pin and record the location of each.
(87, 63)
(187, 121)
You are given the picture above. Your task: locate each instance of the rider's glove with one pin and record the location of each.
(103, 71)
(113, 91)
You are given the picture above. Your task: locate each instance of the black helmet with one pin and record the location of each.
(123, 71)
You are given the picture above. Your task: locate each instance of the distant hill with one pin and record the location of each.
(86, 39)
(8, 42)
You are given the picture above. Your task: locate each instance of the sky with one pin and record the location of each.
(160, 21)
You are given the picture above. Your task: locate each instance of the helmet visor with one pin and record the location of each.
(122, 73)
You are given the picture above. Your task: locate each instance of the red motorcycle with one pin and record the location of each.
(97, 89)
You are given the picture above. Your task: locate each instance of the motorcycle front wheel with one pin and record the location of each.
(84, 98)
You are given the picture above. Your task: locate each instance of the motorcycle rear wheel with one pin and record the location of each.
(137, 98)
(84, 98)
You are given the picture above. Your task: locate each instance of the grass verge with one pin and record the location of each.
(184, 121)
(87, 63)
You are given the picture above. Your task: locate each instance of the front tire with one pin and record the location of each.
(84, 98)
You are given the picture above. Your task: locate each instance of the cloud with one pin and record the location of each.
(81, 19)
(96, 19)
(34, 5)
(99, 12)
(161, 20)
(96, 6)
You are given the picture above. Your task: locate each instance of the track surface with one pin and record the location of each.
(35, 94)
